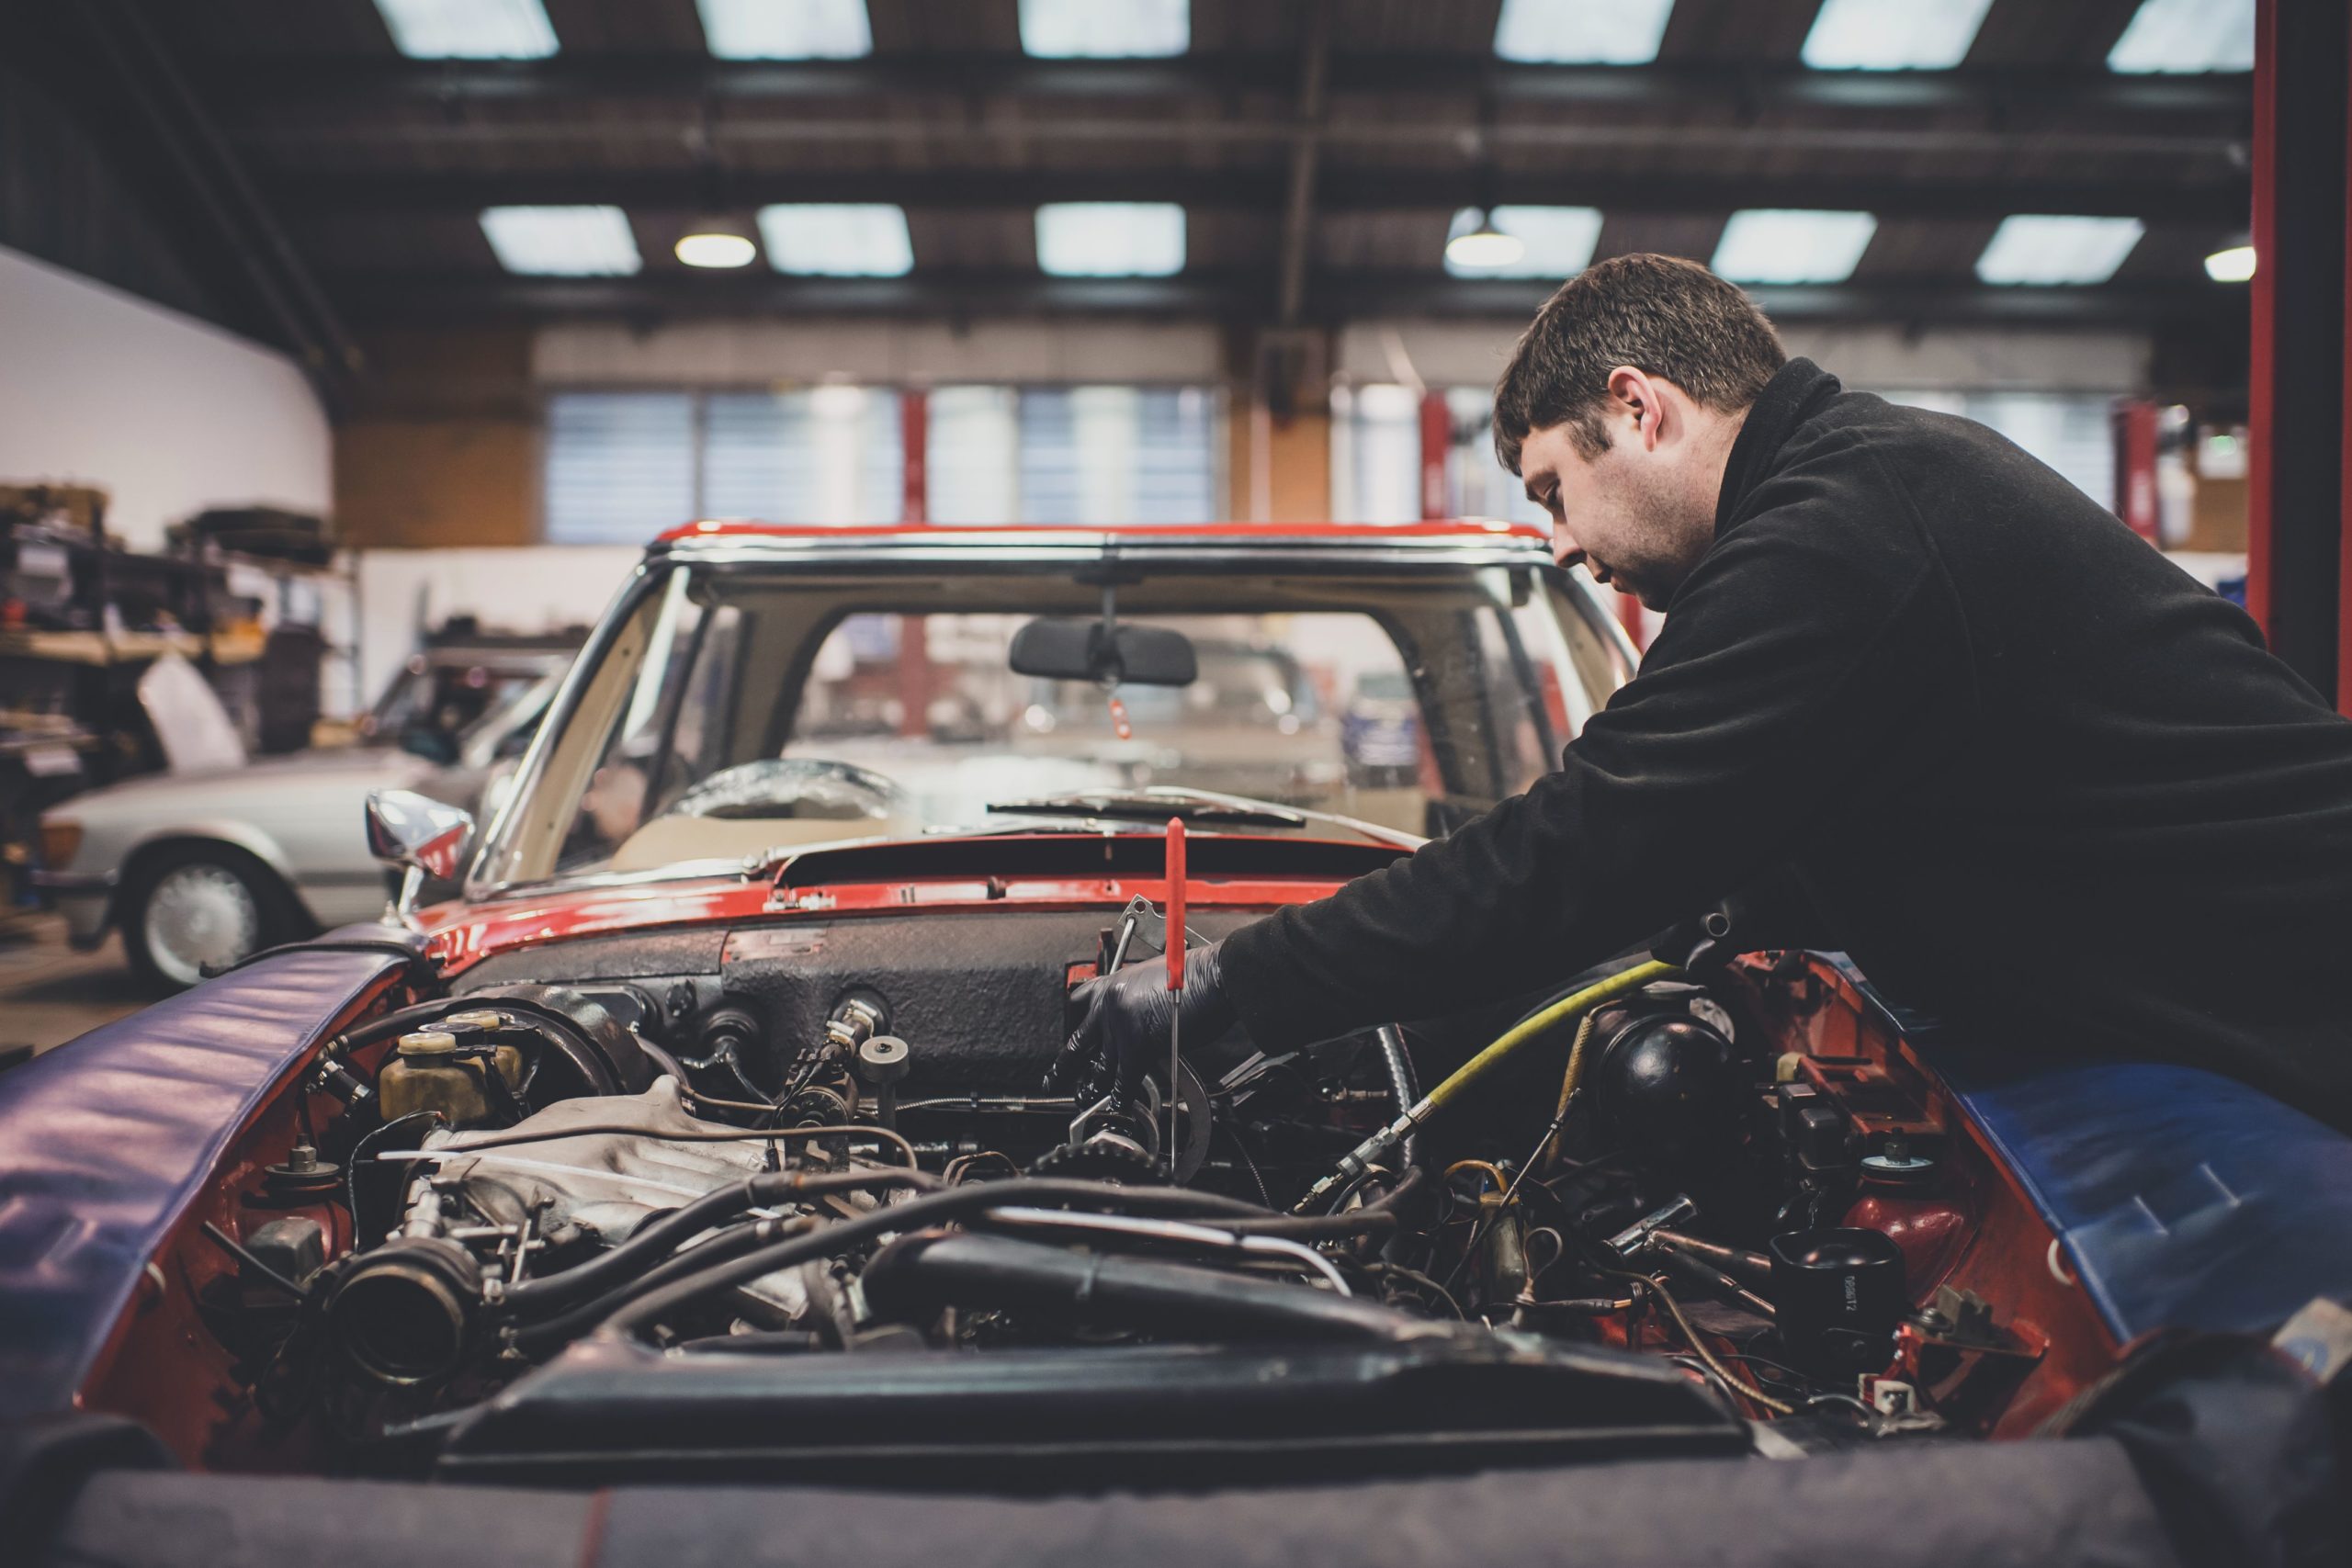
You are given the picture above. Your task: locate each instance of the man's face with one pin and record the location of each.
(1639, 516)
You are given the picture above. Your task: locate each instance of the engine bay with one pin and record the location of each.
(795, 1195)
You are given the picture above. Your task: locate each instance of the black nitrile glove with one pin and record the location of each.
(1123, 1029)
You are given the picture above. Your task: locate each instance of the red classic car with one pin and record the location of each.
(688, 1190)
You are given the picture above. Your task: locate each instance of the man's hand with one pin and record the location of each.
(1123, 1029)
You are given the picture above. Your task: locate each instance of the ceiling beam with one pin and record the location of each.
(1306, 153)
(2168, 199)
(1753, 87)
(1242, 294)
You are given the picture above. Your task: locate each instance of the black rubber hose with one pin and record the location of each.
(1403, 1082)
(914, 1278)
(663, 1233)
(535, 1338)
(649, 1308)
(1382, 1214)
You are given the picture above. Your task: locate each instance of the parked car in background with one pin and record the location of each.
(1381, 731)
(224, 855)
(462, 674)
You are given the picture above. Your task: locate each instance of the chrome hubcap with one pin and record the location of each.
(199, 915)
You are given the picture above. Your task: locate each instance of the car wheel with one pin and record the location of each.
(201, 909)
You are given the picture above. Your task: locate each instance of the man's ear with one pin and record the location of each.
(1633, 395)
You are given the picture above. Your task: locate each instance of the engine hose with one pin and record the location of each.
(662, 1236)
(1380, 1215)
(1570, 1081)
(536, 1338)
(1357, 1160)
(643, 1312)
(915, 1277)
(1402, 1082)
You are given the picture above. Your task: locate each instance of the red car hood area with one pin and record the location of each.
(948, 873)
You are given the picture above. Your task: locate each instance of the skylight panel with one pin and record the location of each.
(469, 29)
(838, 239)
(1557, 241)
(2057, 251)
(1105, 30)
(1581, 32)
(786, 30)
(562, 241)
(2184, 35)
(1893, 35)
(1111, 239)
(1769, 245)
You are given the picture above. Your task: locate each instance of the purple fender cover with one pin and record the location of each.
(105, 1140)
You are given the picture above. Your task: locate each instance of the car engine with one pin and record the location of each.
(679, 1155)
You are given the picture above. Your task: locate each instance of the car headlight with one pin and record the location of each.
(59, 842)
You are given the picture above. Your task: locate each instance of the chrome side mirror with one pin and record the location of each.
(418, 836)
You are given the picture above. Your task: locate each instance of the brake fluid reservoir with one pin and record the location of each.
(427, 1074)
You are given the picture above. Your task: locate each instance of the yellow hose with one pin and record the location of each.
(1360, 1159)
(1527, 1029)
(1570, 1081)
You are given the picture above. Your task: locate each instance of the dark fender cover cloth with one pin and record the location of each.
(104, 1141)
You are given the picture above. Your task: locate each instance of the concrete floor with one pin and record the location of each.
(48, 993)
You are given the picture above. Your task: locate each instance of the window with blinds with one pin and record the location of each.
(623, 467)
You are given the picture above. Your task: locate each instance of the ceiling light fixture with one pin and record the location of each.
(838, 239)
(1782, 245)
(1111, 239)
(1105, 30)
(786, 30)
(1477, 245)
(562, 241)
(2234, 265)
(1581, 32)
(469, 30)
(716, 248)
(2185, 37)
(2034, 249)
(1893, 35)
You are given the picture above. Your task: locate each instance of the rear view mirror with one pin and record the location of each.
(1069, 650)
(418, 836)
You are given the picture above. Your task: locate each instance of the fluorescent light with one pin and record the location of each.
(1111, 239)
(1893, 35)
(562, 241)
(1540, 242)
(2232, 266)
(838, 239)
(1770, 244)
(786, 30)
(469, 30)
(717, 249)
(1581, 32)
(2058, 250)
(1105, 30)
(2180, 36)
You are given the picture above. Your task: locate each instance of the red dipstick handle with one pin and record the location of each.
(1175, 903)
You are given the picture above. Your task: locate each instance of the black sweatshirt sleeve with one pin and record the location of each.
(1810, 633)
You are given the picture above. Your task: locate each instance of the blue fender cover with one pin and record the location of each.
(105, 1140)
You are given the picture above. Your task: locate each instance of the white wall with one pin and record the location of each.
(1972, 359)
(167, 413)
(531, 589)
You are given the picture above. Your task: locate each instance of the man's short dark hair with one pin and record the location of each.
(1661, 315)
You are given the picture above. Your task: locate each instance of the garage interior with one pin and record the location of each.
(335, 333)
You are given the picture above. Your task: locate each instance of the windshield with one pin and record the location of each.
(742, 709)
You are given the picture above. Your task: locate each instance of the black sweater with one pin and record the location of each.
(2034, 778)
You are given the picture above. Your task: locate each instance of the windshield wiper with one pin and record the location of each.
(1145, 804)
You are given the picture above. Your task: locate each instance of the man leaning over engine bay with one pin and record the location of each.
(2032, 776)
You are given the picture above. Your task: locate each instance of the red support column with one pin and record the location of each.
(1629, 615)
(1437, 444)
(2135, 469)
(915, 675)
(914, 438)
